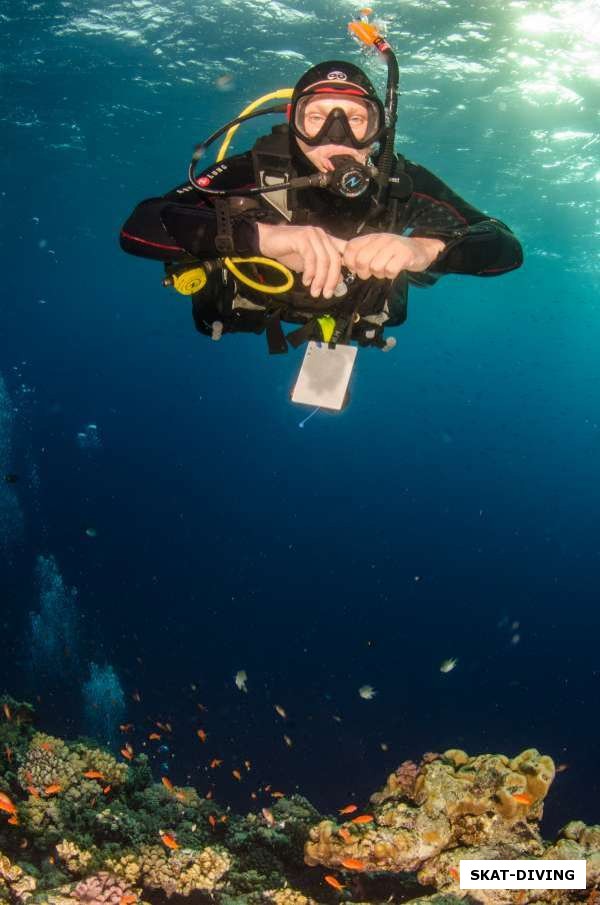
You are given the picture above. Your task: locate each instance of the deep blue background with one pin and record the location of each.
(227, 537)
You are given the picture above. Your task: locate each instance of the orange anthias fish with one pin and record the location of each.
(333, 881)
(94, 774)
(523, 798)
(128, 898)
(277, 794)
(6, 804)
(349, 809)
(7, 711)
(169, 841)
(215, 762)
(167, 783)
(201, 734)
(32, 791)
(237, 775)
(9, 754)
(126, 727)
(13, 819)
(154, 737)
(454, 873)
(364, 818)
(127, 753)
(212, 820)
(46, 746)
(353, 864)
(346, 835)
(268, 815)
(52, 789)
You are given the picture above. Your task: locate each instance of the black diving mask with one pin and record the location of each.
(314, 126)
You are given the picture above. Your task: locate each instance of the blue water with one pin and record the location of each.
(203, 531)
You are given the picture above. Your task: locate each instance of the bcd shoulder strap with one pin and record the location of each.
(273, 164)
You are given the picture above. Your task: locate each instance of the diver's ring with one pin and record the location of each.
(230, 264)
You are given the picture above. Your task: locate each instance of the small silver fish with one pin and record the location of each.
(367, 692)
(240, 680)
(449, 664)
(224, 82)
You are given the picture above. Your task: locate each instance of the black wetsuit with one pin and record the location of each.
(181, 226)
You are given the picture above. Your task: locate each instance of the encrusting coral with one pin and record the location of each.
(453, 800)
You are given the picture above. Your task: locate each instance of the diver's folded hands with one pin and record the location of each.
(385, 255)
(308, 250)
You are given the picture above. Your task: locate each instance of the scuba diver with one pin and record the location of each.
(326, 202)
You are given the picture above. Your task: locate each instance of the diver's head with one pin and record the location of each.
(335, 110)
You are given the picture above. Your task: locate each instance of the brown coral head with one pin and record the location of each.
(406, 776)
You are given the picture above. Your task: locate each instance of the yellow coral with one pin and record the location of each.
(49, 762)
(75, 859)
(114, 772)
(19, 885)
(456, 800)
(184, 870)
(127, 867)
(286, 896)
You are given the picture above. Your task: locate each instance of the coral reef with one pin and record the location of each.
(453, 800)
(77, 826)
(99, 889)
(15, 882)
(75, 859)
(182, 871)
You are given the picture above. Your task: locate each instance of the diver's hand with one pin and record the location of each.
(308, 250)
(385, 255)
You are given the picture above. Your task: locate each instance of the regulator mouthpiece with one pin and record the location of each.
(350, 179)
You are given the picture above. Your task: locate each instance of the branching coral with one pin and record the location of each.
(99, 889)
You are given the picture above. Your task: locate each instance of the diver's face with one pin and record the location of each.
(316, 112)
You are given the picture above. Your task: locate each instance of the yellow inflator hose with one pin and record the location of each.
(230, 263)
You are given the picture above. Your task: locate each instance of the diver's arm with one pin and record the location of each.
(182, 223)
(474, 243)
